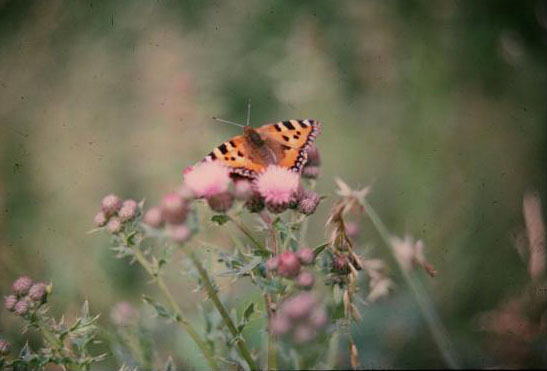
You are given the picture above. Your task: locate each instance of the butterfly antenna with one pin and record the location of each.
(227, 122)
(249, 112)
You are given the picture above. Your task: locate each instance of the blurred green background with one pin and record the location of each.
(440, 105)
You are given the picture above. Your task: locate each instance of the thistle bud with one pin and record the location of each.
(305, 280)
(22, 285)
(306, 256)
(272, 264)
(221, 202)
(340, 264)
(153, 217)
(310, 172)
(314, 159)
(303, 333)
(114, 225)
(111, 204)
(299, 307)
(279, 324)
(9, 302)
(22, 307)
(289, 265)
(38, 292)
(128, 210)
(174, 208)
(179, 233)
(5, 348)
(100, 219)
(308, 203)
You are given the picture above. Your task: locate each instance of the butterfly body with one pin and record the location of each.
(283, 143)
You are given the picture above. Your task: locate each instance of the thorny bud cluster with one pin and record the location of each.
(289, 264)
(115, 213)
(27, 296)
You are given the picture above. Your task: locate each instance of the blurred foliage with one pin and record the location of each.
(440, 105)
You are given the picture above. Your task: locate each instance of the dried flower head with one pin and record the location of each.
(111, 204)
(114, 225)
(289, 265)
(128, 210)
(278, 187)
(9, 302)
(208, 179)
(153, 217)
(100, 219)
(174, 209)
(22, 285)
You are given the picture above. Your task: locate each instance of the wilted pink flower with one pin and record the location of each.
(128, 210)
(243, 189)
(123, 314)
(308, 203)
(208, 179)
(111, 204)
(174, 208)
(153, 217)
(278, 186)
(22, 285)
(221, 202)
(9, 302)
(38, 292)
(289, 265)
(179, 233)
(114, 225)
(5, 348)
(306, 255)
(305, 280)
(100, 219)
(22, 306)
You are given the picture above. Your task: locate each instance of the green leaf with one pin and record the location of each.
(160, 309)
(319, 249)
(249, 312)
(220, 219)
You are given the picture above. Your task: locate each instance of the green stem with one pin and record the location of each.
(223, 313)
(175, 308)
(247, 233)
(437, 329)
(272, 340)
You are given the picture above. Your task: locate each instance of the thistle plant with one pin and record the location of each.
(309, 294)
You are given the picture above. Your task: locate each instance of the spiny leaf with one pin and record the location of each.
(160, 309)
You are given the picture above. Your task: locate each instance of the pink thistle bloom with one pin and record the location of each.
(207, 179)
(277, 185)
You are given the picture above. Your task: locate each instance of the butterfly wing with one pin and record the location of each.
(236, 154)
(293, 137)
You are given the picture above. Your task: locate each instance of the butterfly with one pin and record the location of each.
(283, 143)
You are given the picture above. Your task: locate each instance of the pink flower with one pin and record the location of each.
(289, 265)
(111, 204)
(153, 217)
(22, 285)
(277, 185)
(174, 208)
(208, 179)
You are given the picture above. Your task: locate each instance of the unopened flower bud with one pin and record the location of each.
(314, 159)
(305, 280)
(22, 285)
(100, 219)
(310, 172)
(279, 325)
(111, 204)
(128, 210)
(303, 333)
(289, 265)
(255, 203)
(153, 217)
(299, 307)
(38, 292)
(272, 264)
(308, 204)
(22, 306)
(179, 233)
(9, 302)
(340, 264)
(174, 208)
(306, 255)
(5, 348)
(221, 202)
(114, 225)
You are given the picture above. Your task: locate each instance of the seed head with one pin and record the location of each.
(111, 204)
(153, 217)
(22, 285)
(100, 219)
(289, 265)
(128, 210)
(114, 225)
(9, 302)
(221, 202)
(306, 255)
(174, 208)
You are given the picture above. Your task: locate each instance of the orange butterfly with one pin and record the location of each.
(283, 143)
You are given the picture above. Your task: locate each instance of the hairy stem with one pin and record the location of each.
(209, 356)
(249, 235)
(243, 350)
(436, 328)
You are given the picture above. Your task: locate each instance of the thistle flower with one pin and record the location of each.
(208, 179)
(153, 217)
(278, 186)
(9, 302)
(100, 219)
(305, 280)
(38, 292)
(179, 233)
(289, 265)
(22, 307)
(243, 190)
(111, 204)
(128, 210)
(221, 202)
(22, 285)
(5, 348)
(174, 209)
(114, 225)
(306, 256)
(308, 203)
